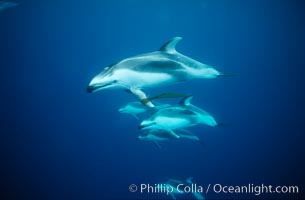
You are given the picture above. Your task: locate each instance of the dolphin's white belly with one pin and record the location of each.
(136, 79)
(172, 123)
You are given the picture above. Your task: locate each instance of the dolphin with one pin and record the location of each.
(176, 117)
(159, 68)
(157, 135)
(7, 4)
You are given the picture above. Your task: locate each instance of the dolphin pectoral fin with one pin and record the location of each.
(190, 137)
(145, 101)
(157, 144)
(170, 46)
(174, 134)
(187, 134)
(142, 97)
(135, 116)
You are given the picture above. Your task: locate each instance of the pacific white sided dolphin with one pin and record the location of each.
(176, 117)
(7, 4)
(159, 68)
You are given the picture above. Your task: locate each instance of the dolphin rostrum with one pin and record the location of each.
(176, 117)
(159, 68)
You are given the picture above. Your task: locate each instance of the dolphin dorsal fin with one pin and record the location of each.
(170, 46)
(186, 101)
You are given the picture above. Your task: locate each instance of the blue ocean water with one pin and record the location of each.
(59, 142)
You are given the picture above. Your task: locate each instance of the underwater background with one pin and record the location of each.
(59, 142)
